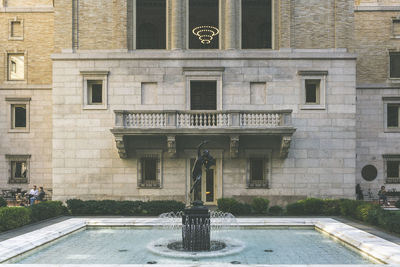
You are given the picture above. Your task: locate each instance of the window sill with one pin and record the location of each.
(392, 181)
(392, 130)
(149, 186)
(257, 186)
(21, 181)
(16, 38)
(95, 107)
(312, 107)
(25, 130)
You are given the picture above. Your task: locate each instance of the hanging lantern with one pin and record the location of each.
(205, 33)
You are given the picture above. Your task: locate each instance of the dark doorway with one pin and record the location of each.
(203, 95)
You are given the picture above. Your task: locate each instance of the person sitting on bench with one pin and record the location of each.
(382, 195)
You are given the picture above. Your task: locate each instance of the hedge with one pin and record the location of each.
(3, 202)
(233, 206)
(125, 208)
(13, 217)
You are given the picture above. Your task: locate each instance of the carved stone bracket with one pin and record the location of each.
(171, 143)
(285, 144)
(234, 146)
(119, 140)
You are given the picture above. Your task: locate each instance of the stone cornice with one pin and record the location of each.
(238, 54)
(376, 8)
(43, 9)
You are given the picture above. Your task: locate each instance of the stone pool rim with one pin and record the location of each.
(375, 247)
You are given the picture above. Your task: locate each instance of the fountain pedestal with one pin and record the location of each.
(196, 228)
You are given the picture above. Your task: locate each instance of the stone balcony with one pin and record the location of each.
(225, 122)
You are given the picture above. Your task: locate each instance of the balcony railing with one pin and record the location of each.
(202, 119)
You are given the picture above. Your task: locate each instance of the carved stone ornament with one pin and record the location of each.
(119, 141)
(285, 145)
(234, 146)
(171, 143)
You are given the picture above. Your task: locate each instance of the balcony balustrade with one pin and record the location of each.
(202, 119)
(193, 122)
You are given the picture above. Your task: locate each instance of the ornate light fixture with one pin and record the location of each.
(205, 33)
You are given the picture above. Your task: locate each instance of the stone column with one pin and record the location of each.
(230, 24)
(176, 24)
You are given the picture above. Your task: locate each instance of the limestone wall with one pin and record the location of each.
(321, 160)
(372, 140)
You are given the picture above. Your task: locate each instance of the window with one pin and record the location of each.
(391, 107)
(16, 67)
(393, 115)
(149, 169)
(18, 113)
(396, 28)
(15, 29)
(95, 92)
(258, 168)
(203, 28)
(18, 168)
(313, 89)
(392, 168)
(150, 24)
(95, 89)
(203, 95)
(394, 64)
(256, 24)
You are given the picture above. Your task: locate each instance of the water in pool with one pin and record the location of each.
(129, 245)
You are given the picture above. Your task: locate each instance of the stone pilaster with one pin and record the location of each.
(230, 22)
(176, 24)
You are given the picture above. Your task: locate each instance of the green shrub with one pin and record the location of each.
(363, 210)
(13, 217)
(233, 206)
(275, 210)
(127, 208)
(348, 207)
(3, 202)
(227, 204)
(397, 204)
(46, 209)
(374, 215)
(296, 208)
(331, 207)
(260, 205)
(313, 206)
(157, 207)
(76, 206)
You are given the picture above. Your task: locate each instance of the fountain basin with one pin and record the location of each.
(375, 247)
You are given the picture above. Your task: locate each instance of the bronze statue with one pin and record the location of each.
(203, 159)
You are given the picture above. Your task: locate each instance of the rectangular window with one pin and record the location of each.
(394, 65)
(393, 115)
(256, 24)
(149, 169)
(312, 91)
(18, 116)
(16, 29)
(16, 67)
(203, 29)
(392, 164)
(18, 168)
(203, 95)
(150, 24)
(95, 89)
(256, 169)
(95, 92)
(396, 28)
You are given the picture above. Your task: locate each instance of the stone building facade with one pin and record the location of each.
(287, 113)
(26, 43)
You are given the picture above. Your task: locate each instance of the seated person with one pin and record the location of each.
(20, 199)
(33, 194)
(41, 194)
(382, 195)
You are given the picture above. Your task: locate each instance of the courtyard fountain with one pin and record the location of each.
(197, 222)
